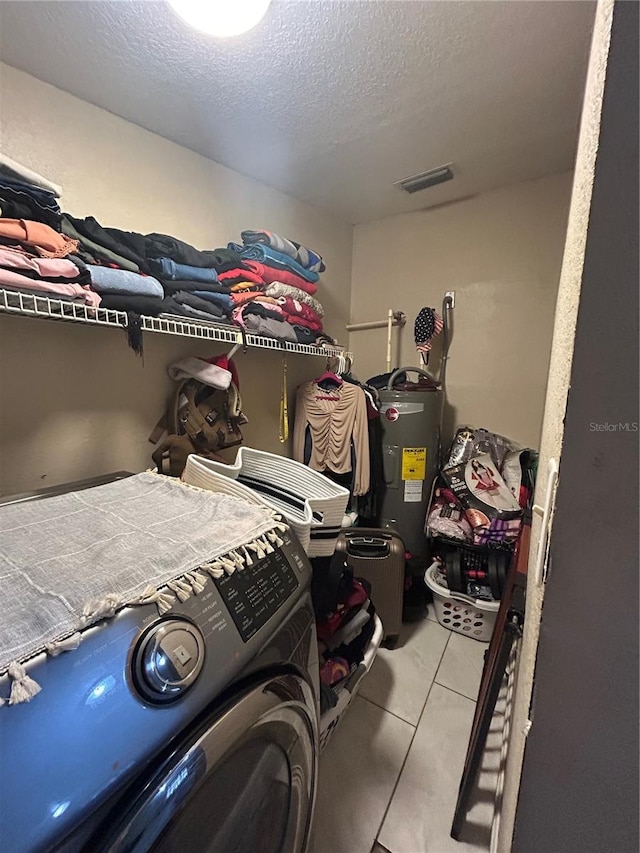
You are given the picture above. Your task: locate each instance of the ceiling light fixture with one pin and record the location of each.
(426, 179)
(221, 18)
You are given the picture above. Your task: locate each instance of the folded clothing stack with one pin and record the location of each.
(22, 200)
(154, 274)
(266, 284)
(287, 274)
(32, 260)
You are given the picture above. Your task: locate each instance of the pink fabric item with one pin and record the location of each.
(270, 274)
(48, 267)
(238, 312)
(21, 282)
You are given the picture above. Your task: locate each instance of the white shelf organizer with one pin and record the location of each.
(29, 305)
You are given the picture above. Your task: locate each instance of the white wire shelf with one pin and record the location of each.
(30, 305)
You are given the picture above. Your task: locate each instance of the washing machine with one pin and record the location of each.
(194, 731)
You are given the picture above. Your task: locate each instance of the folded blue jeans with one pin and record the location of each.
(171, 271)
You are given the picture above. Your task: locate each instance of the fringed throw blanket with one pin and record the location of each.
(69, 561)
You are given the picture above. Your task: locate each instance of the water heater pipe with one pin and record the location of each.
(399, 319)
(389, 333)
(394, 318)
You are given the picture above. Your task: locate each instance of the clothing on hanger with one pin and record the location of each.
(369, 505)
(331, 426)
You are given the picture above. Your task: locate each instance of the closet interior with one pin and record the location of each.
(220, 299)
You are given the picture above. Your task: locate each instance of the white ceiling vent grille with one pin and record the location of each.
(416, 183)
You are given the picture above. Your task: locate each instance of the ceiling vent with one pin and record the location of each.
(426, 179)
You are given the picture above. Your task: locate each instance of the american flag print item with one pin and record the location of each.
(428, 324)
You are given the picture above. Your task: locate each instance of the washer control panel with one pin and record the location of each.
(256, 593)
(219, 624)
(168, 659)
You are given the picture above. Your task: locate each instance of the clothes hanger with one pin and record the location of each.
(329, 377)
(243, 346)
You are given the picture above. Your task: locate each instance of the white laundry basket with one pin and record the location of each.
(458, 612)
(311, 503)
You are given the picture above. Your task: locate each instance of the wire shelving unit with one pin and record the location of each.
(31, 305)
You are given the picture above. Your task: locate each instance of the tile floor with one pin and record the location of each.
(389, 776)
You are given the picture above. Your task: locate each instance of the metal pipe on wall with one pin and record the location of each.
(399, 319)
(394, 318)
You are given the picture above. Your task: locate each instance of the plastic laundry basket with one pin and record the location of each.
(349, 687)
(458, 612)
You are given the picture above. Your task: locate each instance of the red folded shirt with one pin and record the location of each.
(295, 320)
(299, 309)
(270, 274)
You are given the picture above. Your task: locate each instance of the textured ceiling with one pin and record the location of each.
(332, 102)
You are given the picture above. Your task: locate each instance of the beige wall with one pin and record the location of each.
(501, 252)
(75, 401)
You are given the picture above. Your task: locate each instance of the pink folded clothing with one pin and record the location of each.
(21, 282)
(238, 315)
(270, 274)
(46, 267)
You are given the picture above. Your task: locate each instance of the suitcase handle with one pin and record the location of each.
(367, 546)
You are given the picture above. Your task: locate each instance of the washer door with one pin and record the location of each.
(244, 782)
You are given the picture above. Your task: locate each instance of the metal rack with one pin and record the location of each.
(30, 305)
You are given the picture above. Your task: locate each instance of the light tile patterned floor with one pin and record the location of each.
(390, 774)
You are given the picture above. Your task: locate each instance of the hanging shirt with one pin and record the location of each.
(335, 419)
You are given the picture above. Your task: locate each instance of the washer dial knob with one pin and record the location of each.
(168, 660)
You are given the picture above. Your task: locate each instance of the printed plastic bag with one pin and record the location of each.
(469, 442)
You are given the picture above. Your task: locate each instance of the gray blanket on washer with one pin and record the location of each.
(60, 554)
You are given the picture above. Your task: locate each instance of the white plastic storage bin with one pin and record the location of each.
(458, 612)
(311, 503)
(347, 689)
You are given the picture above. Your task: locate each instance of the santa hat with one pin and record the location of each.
(197, 368)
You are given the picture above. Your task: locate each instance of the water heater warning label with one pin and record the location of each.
(414, 463)
(413, 491)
